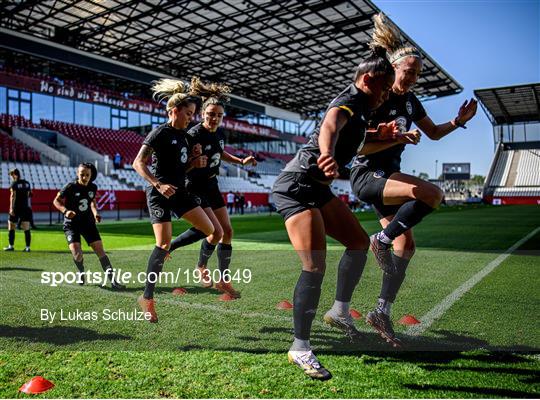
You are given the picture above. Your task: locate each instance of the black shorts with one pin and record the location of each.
(160, 207)
(74, 230)
(208, 193)
(23, 214)
(368, 186)
(294, 192)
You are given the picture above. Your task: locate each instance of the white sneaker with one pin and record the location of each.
(311, 366)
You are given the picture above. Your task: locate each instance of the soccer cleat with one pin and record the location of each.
(383, 254)
(382, 324)
(206, 279)
(311, 366)
(224, 287)
(26, 250)
(117, 286)
(148, 306)
(81, 281)
(344, 324)
(9, 248)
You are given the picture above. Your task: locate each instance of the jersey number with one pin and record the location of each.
(83, 205)
(215, 160)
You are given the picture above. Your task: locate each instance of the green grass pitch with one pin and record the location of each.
(485, 345)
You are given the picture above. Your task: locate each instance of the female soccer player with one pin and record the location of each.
(77, 201)
(166, 194)
(303, 197)
(19, 209)
(400, 200)
(203, 182)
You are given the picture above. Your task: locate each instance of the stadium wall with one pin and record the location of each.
(127, 199)
(508, 200)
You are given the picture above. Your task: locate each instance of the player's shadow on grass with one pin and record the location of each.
(24, 269)
(168, 290)
(534, 375)
(490, 392)
(57, 335)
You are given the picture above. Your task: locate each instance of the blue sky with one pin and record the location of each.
(482, 44)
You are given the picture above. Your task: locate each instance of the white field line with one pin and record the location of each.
(436, 312)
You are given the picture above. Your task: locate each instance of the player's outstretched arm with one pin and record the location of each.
(249, 160)
(436, 132)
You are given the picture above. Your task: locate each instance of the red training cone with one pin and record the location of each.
(355, 314)
(37, 384)
(226, 297)
(408, 320)
(284, 305)
(179, 291)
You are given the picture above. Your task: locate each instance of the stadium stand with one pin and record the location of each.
(235, 184)
(515, 173)
(528, 170)
(53, 177)
(502, 167)
(102, 140)
(15, 150)
(7, 121)
(269, 167)
(266, 181)
(130, 177)
(341, 186)
(514, 176)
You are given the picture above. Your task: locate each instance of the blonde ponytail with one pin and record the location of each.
(386, 35)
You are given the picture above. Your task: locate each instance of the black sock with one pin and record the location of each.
(392, 283)
(106, 265)
(11, 237)
(306, 299)
(207, 249)
(224, 253)
(27, 237)
(350, 270)
(190, 236)
(79, 265)
(408, 215)
(155, 266)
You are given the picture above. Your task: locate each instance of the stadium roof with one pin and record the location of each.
(511, 104)
(291, 54)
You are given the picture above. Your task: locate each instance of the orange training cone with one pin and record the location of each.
(408, 320)
(355, 314)
(37, 384)
(284, 305)
(226, 297)
(179, 291)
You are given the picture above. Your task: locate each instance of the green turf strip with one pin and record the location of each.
(206, 348)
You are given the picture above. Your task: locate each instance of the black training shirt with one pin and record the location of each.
(171, 153)
(354, 104)
(404, 109)
(212, 144)
(78, 198)
(22, 189)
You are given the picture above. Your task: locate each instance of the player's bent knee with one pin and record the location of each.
(218, 233)
(431, 195)
(227, 233)
(316, 269)
(164, 245)
(207, 229)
